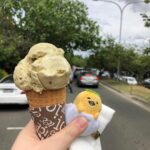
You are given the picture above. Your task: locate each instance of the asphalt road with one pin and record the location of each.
(128, 130)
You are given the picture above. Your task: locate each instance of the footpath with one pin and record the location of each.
(132, 98)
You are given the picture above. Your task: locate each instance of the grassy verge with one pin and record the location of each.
(135, 91)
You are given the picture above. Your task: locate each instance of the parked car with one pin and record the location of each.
(95, 71)
(9, 93)
(77, 71)
(146, 83)
(105, 74)
(86, 78)
(129, 80)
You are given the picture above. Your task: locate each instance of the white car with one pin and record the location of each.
(105, 74)
(129, 80)
(9, 93)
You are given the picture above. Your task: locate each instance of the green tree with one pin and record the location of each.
(9, 40)
(142, 65)
(147, 1)
(79, 61)
(63, 23)
(107, 56)
(146, 18)
(3, 73)
(147, 51)
(128, 60)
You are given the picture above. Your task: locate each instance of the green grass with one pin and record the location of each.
(137, 91)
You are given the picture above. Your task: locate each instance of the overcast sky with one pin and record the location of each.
(108, 17)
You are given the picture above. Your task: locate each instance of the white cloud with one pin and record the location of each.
(84, 54)
(108, 16)
(137, 5)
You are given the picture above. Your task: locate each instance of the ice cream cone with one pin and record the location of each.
(48, 97)
(43, 74)
(47, 111)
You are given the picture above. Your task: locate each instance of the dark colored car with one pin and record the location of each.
(146, 83)
(87, 78)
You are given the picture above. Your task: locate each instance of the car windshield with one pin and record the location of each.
(131, 79)
(8, 79)
(87, 72)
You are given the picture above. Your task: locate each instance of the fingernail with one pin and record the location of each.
(82, 122)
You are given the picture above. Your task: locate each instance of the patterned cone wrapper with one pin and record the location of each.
(47, 111)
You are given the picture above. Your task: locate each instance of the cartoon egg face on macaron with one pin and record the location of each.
(89, 102)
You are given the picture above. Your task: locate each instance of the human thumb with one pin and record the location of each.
(63, 139)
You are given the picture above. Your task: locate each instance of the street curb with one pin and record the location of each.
(134, 100)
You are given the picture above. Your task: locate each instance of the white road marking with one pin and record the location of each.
(14, 128)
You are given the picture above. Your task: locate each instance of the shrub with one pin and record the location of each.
(3, 73)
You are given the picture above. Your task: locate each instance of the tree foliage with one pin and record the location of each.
(63, 23)
(147, 1)
(108, 55)
(9, 40)
(147, 51)
(146, 17)
(111, 53)
(79, 61)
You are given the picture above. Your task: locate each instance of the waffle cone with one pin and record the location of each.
(46, 98)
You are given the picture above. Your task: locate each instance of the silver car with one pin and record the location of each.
(87, 78)
(9, 93)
